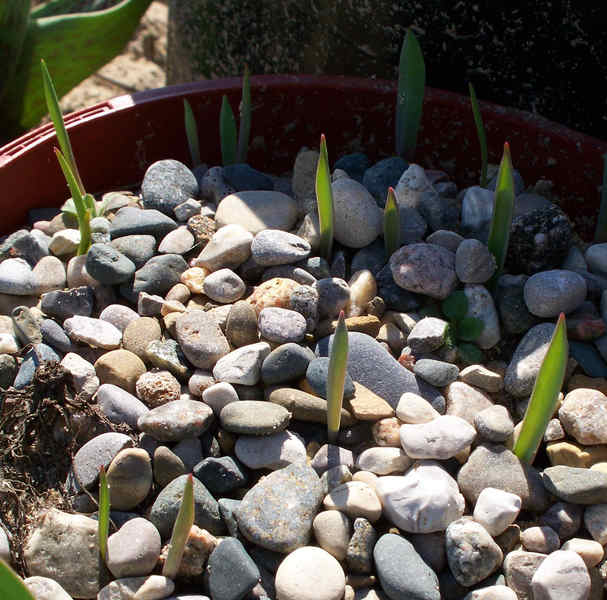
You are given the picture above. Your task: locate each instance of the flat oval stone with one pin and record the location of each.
(107, 265)
(134, 549)
(253, 417)
(94, 332)
(281, 325)
(135, 221)
(243, 365)
(288, 362)
(274, 247)
(137, 248)
(201, 339)
(119, 406)
(277, 513)
(575, 485)
(223, 286)
(271, 451)
(549, 293)
(159, 274)
(176, 420)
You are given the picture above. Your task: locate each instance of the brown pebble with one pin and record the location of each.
(139, 333)
(120, 367)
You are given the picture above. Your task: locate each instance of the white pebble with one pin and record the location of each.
(496, 509)
(562, 575)
(383, 460)
(414, 409)
(270, 451)
(218, 395)
(591, 552)
(94, 332)
(356, 499)
(332, 530)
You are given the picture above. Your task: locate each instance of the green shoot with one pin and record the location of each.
(11, 585)
(227, 133)
(181, 531)
(52, 103)
(391, 224)
(191, 132)
(545, 394)
(324, 200)
(104, 513)
(411, 84)
(82, 204)
(503, 208)
(480, 130)
(338, 362)
(600, 234)
(244, 131)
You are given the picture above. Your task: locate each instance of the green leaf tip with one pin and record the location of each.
(11, 585)
(338, 363)
(480, 131)
(181, 531)
(545, 394)
(410, 98)
(191, 131)
(324, 200)
(227, 133)
(103, 517)
(391, 224)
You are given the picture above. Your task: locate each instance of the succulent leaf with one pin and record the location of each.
(482, 137)
(338, 362)
(191, 132)
(11, 585)
(104, 513)
(391, 224)
(324, 200)
(227, 133)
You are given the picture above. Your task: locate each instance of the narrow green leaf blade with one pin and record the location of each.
(455, 306)
(191, 132)
(181, 531)
(244, 132)
(545, 393)
(391, 224)
(11, 585)
(411, 84)
(52, 103)
(600, 234)
(324, 200)
(480, 131)
(227, 133)
(338, 363)
(104, 513)
(503, 209)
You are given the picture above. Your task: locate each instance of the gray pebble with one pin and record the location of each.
(187, 209)
(473, 262)
(427, 335)
(436, 372)
(159, 274)
(281, 325)
(119, 406)
(135, 221)
(178, 241)
(288, 362)
(575, 485)
(221, 476)
(252, 417)
(137, 248)
(63, 304)
(38, 354)
(275, 247)
(494, 424)
(359, 556)
(551, 292)
(304, 300)
(317, 375)
(224, 286)
(166, 184)
(201, 339)
(107, 265)
(333, 296)
(176, 420)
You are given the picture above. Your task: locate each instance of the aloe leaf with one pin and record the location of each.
(600, 234)
(11, 585)
(470, 354)
(324, 200)
(52, 103)
(455, 306)
(469, 328)
(227, 133)
(391, 224)
(103, 513)
(338, 362)
(191, 132)
(181, 531)
(411, 84)
(545, 393)
(503, 208)
(244, 131)
(480, 130)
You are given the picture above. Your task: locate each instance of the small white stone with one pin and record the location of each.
(152, 587)
(270, 451)
(591, 552)
(118, 315)
(310, 573)
(77, 274)
(595, 520)
(333, 530)
(426, 499)
(243, 365)
(5, 547)
(383, 460)
(366, 477)
(178, 241)
(94, 332)
(496, 509)
(563, 574)
(218, 395)
(414, 409)
(44, 588)
(356, 499)
(48, 274)
(494, 592)
(223, 286)
(441, 438)
(82, 372)
(64, 242)
(8, 344)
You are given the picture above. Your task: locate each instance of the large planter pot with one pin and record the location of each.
(117, 140)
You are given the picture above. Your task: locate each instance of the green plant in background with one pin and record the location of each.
(324, 201)
(480, 130)
(503, 209)
(338, 363)
(191, 132)
(103, 516)
(78, 43)
(11, 585)
(181, 531)
(462, 330)
(410, 98)
(545, 394)
(235, 150)
(391, 224)
(600, 233)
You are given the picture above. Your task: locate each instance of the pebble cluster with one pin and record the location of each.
(201, 320)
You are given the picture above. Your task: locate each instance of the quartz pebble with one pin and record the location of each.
(94, 332)
(151, 587)
(270, 452)
(496, 509)
(383, 461)
(540, 539)
(332, 530)
(356, 499)
(223, 286)
(243, 365)
(562, 574)
(590, 551)
(583, 415)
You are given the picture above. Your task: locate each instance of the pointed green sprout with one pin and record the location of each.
(391, 224)
(480, 130)
(324, 200)
(600, 234)
(410, 98)
(244, 130)
(82, 204)
(103, 516)
(52, 103)
(11, 585)
(227, 133)
(191, 132)
(181, 531)
(503, 208)
(545, 394)
(338, 362)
